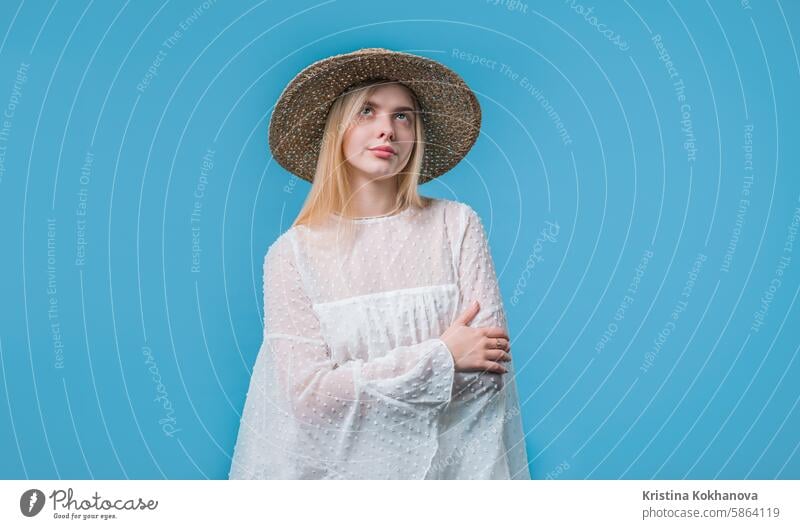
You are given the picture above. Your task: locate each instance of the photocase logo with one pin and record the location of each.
(31, 502)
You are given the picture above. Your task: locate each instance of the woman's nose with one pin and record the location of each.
(386, 127)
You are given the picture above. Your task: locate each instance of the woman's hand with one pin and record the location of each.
(476, 348)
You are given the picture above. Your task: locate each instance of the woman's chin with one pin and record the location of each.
(377, 173)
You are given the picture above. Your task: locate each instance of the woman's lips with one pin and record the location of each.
(382, 154)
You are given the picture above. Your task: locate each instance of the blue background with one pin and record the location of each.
(579, 129)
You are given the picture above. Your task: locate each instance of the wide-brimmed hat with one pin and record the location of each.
(451, 115)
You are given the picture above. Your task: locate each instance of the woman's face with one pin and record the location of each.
(379, 142)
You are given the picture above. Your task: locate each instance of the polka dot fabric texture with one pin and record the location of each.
(352, 380)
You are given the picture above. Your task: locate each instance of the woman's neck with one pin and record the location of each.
(373, 198)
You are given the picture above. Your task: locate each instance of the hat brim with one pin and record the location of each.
(451, 114)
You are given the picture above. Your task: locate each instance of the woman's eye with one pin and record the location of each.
(365, 110)
(405, 118)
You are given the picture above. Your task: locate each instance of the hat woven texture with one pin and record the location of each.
(451, 114)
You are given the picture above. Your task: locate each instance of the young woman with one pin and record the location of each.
(385, 351)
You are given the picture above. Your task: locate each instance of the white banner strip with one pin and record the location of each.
(400, 504)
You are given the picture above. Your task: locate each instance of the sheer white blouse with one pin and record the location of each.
(352, 381)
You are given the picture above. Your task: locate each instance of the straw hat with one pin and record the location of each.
(451, 115)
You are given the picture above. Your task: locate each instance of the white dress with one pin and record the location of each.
(352, 380)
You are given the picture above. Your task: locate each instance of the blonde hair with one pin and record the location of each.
(330, 190)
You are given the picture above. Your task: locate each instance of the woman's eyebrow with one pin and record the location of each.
(398, 109)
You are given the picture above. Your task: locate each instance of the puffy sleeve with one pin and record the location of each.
(306, 416)
(477, 280)
(476, 274)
